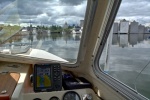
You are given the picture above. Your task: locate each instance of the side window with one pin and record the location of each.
(126, 55)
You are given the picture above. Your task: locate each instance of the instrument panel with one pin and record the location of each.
(80, 94)
(25, 87)
(71, 95)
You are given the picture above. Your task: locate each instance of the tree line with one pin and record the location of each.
(55, 28)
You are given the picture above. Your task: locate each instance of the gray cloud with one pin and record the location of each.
(3, 3)
(72, 2)
(47, 12)
(6, 1)
(27, 7)
(135, 10)
(71, 11)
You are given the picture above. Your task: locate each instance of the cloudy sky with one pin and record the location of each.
(42, 11)
(48, 12)
(138, 10)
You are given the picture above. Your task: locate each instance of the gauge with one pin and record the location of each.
(54, 98)
(71, 95)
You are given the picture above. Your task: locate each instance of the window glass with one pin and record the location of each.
(126, 55)
(54, 26)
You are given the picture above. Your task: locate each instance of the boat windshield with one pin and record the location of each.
(52, 26)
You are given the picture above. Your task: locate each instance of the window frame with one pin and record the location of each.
(115, 84)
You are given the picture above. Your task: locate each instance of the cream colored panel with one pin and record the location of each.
(59, 94)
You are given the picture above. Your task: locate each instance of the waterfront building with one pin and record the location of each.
(141, 33)
(123, 33)
(115, 28)
(115, 33)
(81, 23)
(146, 33)
(124, 27)
(65, 25)
(141, 29)
(147, 30)
(133, 27)
(133, 33)
(76, 30)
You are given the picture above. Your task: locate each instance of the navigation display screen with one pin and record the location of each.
(43, 77)
(47, 77)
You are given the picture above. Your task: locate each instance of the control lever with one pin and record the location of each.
(87, 97)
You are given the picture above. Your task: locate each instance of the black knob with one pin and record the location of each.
(31, 78)
(56, 74)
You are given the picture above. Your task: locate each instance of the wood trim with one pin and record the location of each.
(8, 83)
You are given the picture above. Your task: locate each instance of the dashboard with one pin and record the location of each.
(71, 89)
(77, 94)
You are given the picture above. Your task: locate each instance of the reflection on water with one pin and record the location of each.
(63, 45)
(55, 36)
(140, 37)
(115, 39)
(133, 39)
(127, 58)
(125, 40)
(147, 36)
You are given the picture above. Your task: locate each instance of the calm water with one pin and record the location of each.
(128, 54)
(62, 45)
(127, 58)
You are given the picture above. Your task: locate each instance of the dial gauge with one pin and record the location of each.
(54, 98)
(71, 95)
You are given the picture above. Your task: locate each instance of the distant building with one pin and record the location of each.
(141, 28)
(65, 25)
(115, 27)
(133, 27)
(146, 30)
(147, 33)
(77, 30)
(81, 23)
(124, 26)
(133, 30)
(141, 31)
